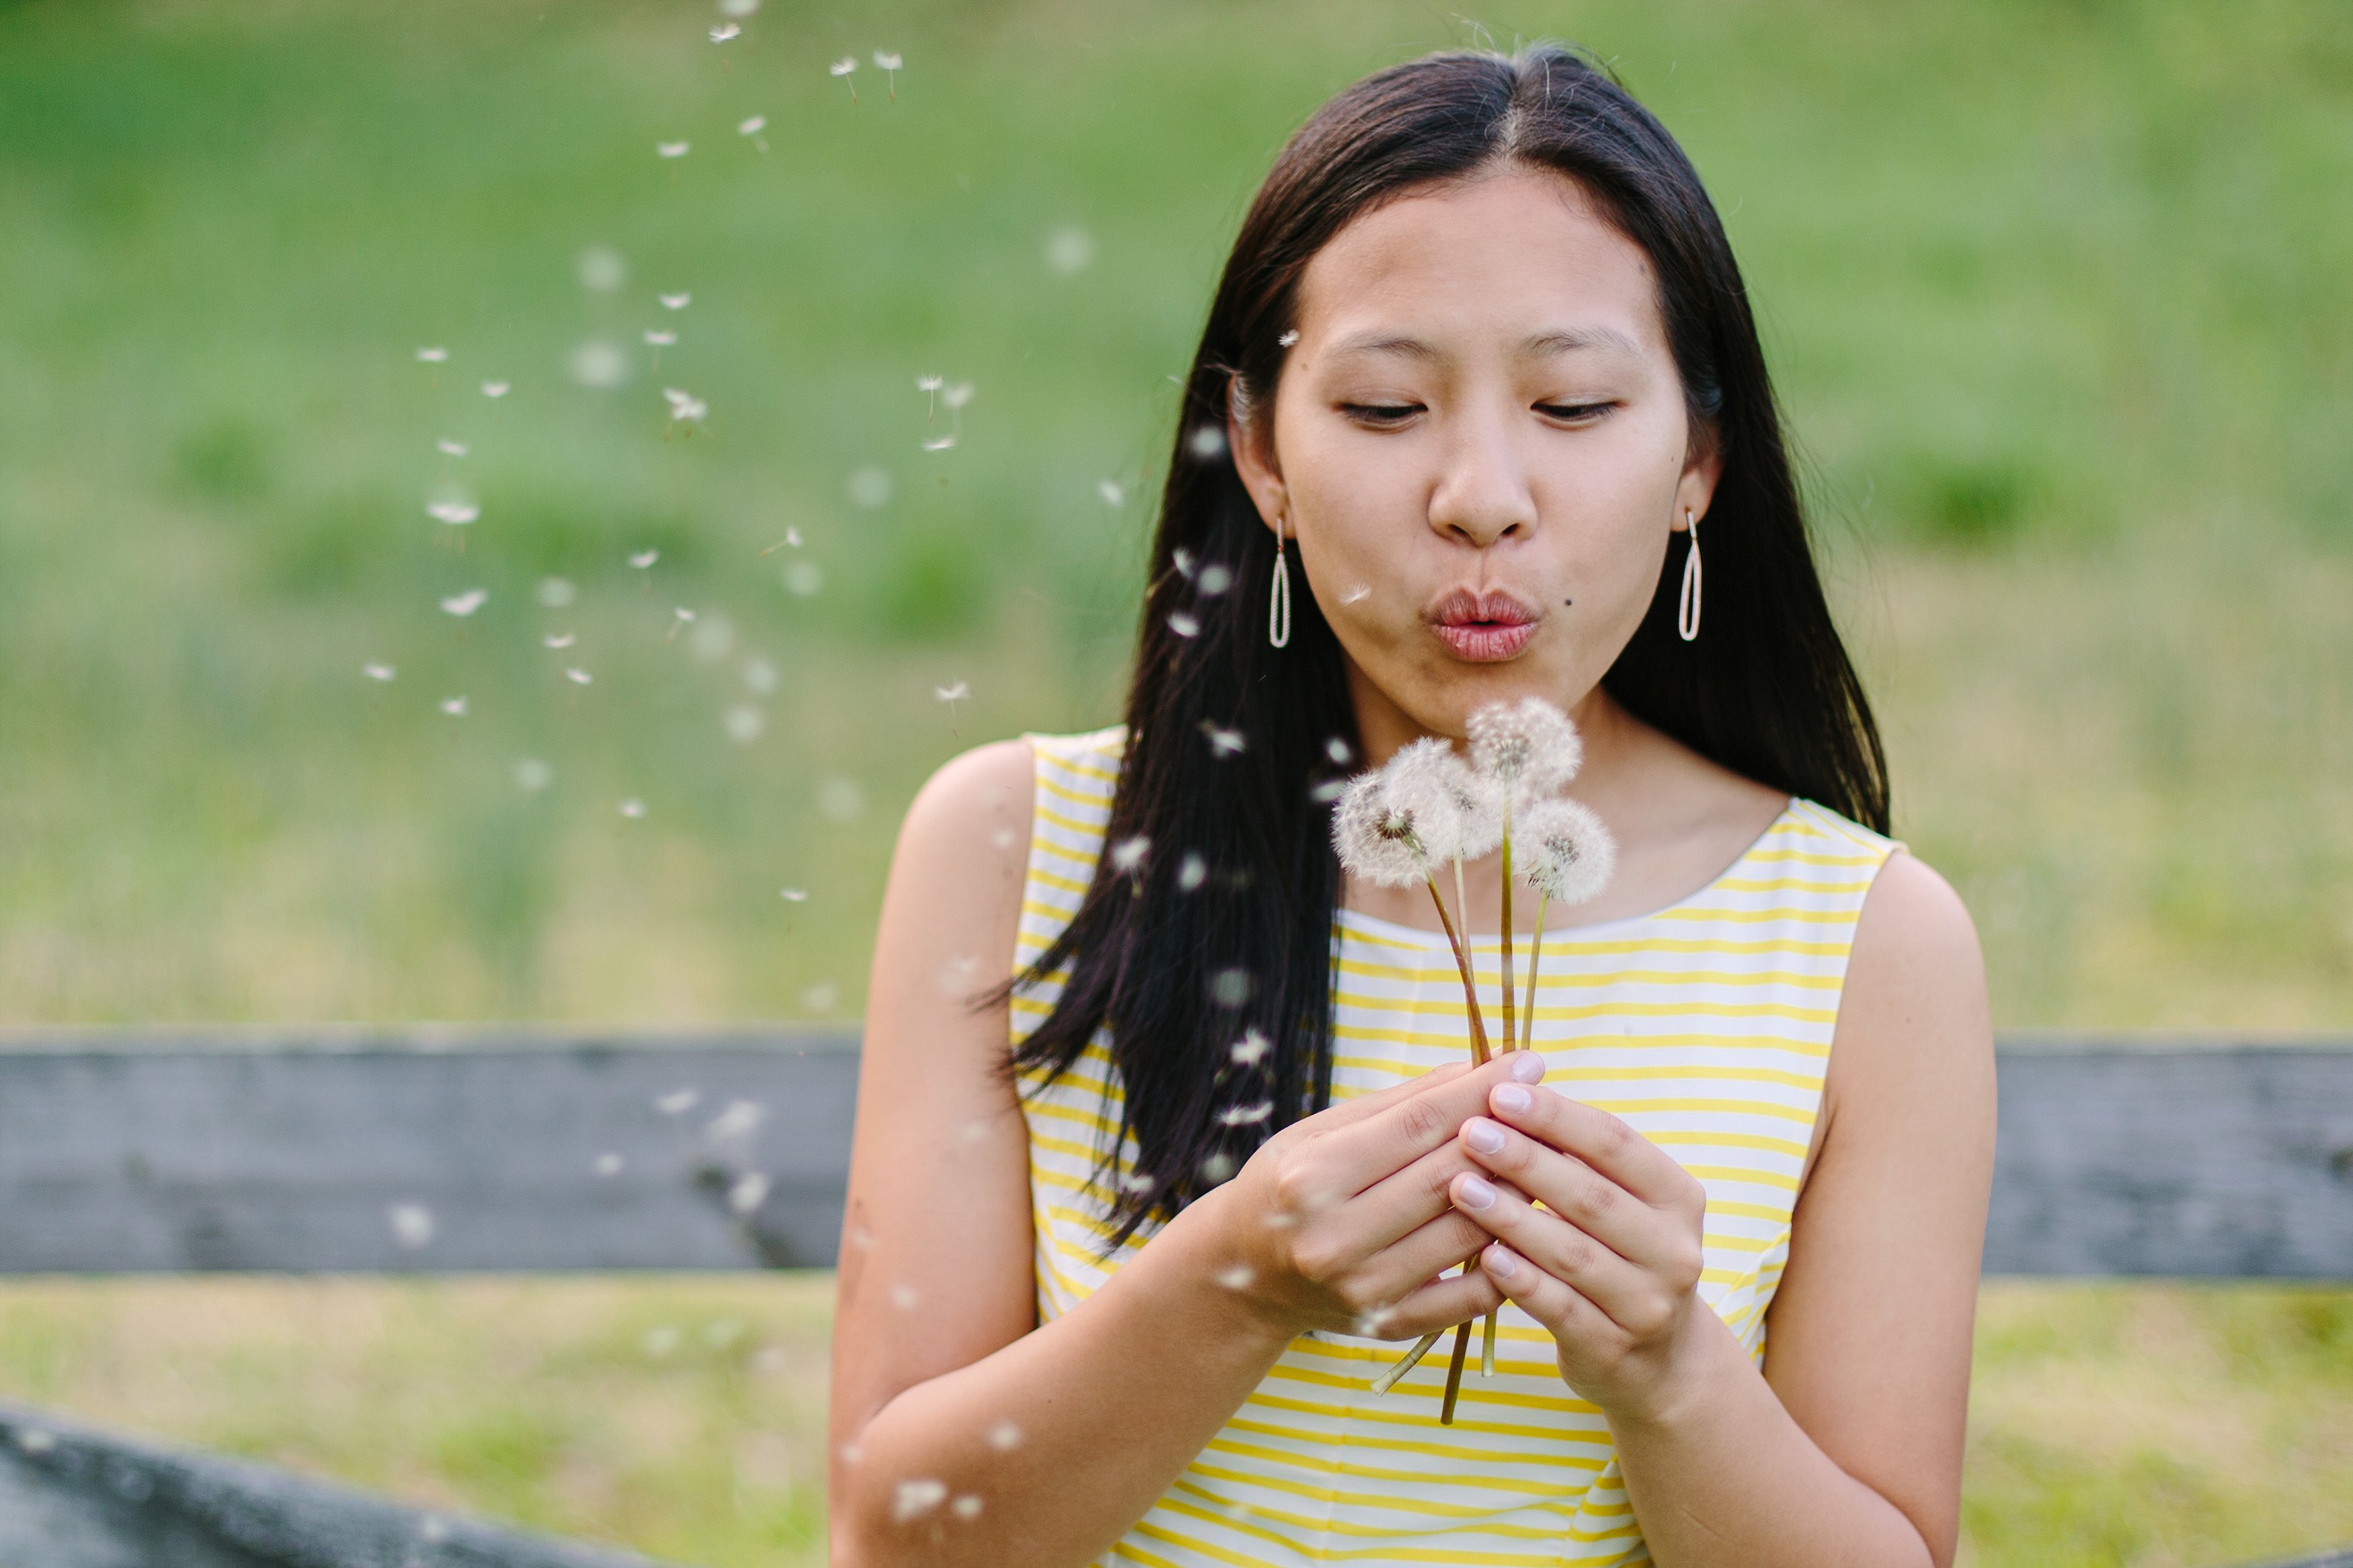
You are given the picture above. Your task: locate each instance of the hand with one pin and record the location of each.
(1343, 1220)
(1611, 1264)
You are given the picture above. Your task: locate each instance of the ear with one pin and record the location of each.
(1696, 489)
(1249, 436)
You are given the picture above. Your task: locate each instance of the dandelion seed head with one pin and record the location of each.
(599, 364)
(1137, 1182)
(1529, 746)
(1207, 442)
(660, 340)
(454, 706)
(1357, 594)
(796, 895)
(432, 356)
(1217, 1168)
(904, 1297)
(843, 66)
(412, 1224)
(1246, 1115)
(748, 1193)
(555, 593)
(1451, 813)
(1231, 988)
(1378, 838)
(1070, 250)
(577, 676)
(738, 7)
(677, 301)
(967, 1507)
(840, 799)
(682, 613)
(601, 267)
(1339, 750)
(713, 639)
(1128, 854)
(378, 671)
(1183, 561)
(1191, 871)
(911, 1500)
(736, 1119)
(752, 126)
(532, 774)
(678, 1102)
(1373, 1324)
(1288, 337)
(1216, 578)
(689, 408)
(726, 32)
(672, 148)
(467, 603)
(1223, 743)
(452, 511)
(558, 639)
(644, 558)
(451, 449)
(956, 394)
(1002, 838)
(886, 59)
(633, 808)
(1109, 491)
(1186, 624)
(759, 676)
(1563, 850)
(1251, 1049)
(1240, 1277)
(869, 487)
(495, 389)
(955, 693)
(929, 382)
(939, 443)
(1005, 1437)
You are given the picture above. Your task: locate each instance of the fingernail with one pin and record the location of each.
(1483, 1135)
(1474, 1193)
(1513, 1097)
(1527, 1067)
(1499, 1261)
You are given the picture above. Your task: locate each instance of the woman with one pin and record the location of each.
(1129, 1235)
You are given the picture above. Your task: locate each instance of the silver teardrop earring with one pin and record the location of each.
(1687, 605)
(1278, 602)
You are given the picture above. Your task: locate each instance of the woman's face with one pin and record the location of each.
(1480, 444)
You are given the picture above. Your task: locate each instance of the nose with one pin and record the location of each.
(1482, 492)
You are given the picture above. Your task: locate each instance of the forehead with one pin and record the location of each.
(1502, 254)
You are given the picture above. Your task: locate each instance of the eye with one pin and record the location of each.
(1379, 414)
(1576, 413)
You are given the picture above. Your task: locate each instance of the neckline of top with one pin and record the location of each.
(1345, 916)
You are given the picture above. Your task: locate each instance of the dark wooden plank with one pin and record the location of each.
(479, 1148)
(2173, 1156)
(422, 1149)
(73, 1495)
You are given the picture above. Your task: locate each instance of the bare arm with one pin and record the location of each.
(964, 1433)
(1848, 1451)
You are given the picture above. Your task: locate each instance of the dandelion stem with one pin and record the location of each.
(1511, 1037)
(1454, 1372)
(1487, 1346)
(1406, 1362)
(1536, 951)
(1462, 964)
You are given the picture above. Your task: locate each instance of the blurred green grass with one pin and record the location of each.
(2054, 294)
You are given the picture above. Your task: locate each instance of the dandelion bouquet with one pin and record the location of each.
(1427, 808)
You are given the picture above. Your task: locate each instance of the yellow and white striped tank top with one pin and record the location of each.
(1707, 1024)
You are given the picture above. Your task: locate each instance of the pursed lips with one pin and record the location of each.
(1483, 628)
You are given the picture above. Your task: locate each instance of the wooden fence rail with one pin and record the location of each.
(445, 1150)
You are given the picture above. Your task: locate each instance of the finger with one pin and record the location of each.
(1635, 1230)
(1437, 1304)
(1625, 1292)
(1421, 1256)
(1558, 1306)
(1604, 1141)
(1347, 1112)
(1411, 1126)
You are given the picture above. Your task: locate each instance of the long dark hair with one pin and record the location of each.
(1212, 924)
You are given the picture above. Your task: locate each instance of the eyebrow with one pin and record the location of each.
(1562, 340)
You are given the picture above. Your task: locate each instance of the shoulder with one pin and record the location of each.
(976, 792)
(979, 805)
(1914, 1021)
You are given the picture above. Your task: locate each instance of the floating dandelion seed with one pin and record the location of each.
(726, 32)
(1128, 854)
(453, 512)
(660, 340)
(1230, 988)
(796, 895)
(838, 799)
(672, 148)
(869, 487)
(910, 1501)
(751, 128)
(378, 671)
(745, 723)
(1183, 560)
(1224, 742)
(887, 62)
(601, 267)
(467, 603)
(759, 676)
(1005, 1437)
(677, 1102)
(451, 449)
(1215, 579)
(644, 558)
(577, 676)
(1069, 250)
(1288, 337)
(1186, 625)
(599, 364)
(843, 68)
(677, 301)
(1208, 441)
(1137, 1182)
(660, 1341)
(930, 384)
(792, 540)
(939, 443)
(955, 395)
(412, 1224)
(1339, 750)
(821, 998)
(608, 1164)
(1251, 1049)
(750, 1191)
(454, 706)
(804, 578)
(1110, 491)
(689, 409)
(432, 356)
(967, 1506)
(903, 1296)
(494, 389)
(738, 7)
(1246, 1115)
(633, 808)
(1357, 593)
(33, 1440)
(1217, 1168)
(558, 639)
(532, 774)
(1238, 1277)
(713, 636)
(1191, 871)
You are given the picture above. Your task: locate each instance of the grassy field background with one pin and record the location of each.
(2055, 298)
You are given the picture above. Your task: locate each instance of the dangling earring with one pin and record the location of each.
(1278, 602)
(1687, 607)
